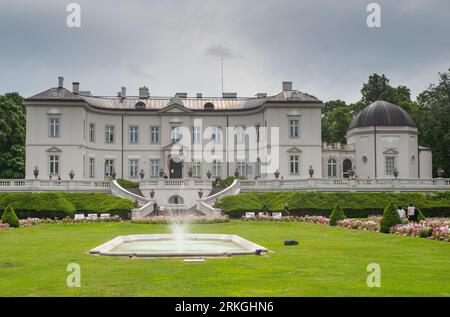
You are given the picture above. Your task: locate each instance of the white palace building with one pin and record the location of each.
(96, 136)
(74, 135)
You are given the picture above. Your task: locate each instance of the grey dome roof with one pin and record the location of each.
(382, 113)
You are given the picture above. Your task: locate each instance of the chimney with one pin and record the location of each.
(229, 95)
(143, 92)
(181, 94)
(261, 95)
(199, 95)
(123, 92)
(76, 87)
(287, 85)
(60, 82)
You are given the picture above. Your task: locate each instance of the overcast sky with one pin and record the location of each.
(324, 47)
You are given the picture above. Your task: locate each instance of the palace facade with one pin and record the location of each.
(133, 137)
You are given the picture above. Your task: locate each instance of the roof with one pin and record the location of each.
(382, 113)
(55, 94)
(159, 103)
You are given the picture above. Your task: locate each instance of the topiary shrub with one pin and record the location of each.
(336, 215)
(390, 218)
(10, 217)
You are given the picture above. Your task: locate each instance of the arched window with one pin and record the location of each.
(208, 106)
(332, 168)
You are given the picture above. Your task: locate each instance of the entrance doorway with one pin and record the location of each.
(346, 168)
(175, 169)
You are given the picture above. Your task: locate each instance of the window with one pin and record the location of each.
(54, 164)
(196, 172)
(389, 165)
(196, 135)
(91, 132)
(176, 134)
(109, 134)
(91, 167)
(332, 168)
(154, 134)
(133, 171)
(240, 134)
(215, 136)
(154, 168)
(109, 168)
(293, 128)
(54, 127)
(134, 134)
(293, 164)
(241, 168)
(216, 169)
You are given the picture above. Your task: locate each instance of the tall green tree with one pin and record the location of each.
(336, 116)
(433, 119)
(378, 87)
(12, 136)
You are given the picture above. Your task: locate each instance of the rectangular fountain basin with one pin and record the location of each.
(167, 245)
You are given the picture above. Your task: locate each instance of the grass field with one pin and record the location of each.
(328, 262)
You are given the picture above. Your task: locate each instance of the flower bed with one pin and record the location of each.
(35, 221)
(4, 226)
(314, 219)
(412, 230)
(311, 219)
(368, 225)
(184, 219)
(442, 234)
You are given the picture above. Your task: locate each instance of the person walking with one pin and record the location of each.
(412, 213)
(401, 213)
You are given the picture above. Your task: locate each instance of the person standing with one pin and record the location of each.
(411, 212)
(401, 212)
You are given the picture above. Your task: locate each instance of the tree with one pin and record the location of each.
(378, 87)
(390, 218)
(10, 217)
(432, 117)
(336, 116)
(336, 215)
(12, 136)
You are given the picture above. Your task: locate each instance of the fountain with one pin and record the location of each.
(179, 243)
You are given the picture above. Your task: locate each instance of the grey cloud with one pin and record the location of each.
(219, 51)
(324, 47)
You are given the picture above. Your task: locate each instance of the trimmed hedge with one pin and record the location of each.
(10, 217)
(390, 218)
(336, 215)
(355, 205)
(127, 184)
(61, 205)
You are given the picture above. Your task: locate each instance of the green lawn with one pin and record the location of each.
(328, 262)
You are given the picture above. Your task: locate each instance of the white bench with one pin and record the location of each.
(249, 215)
(92, 216)
(79, 216)
(105, 216)
(276, 215)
